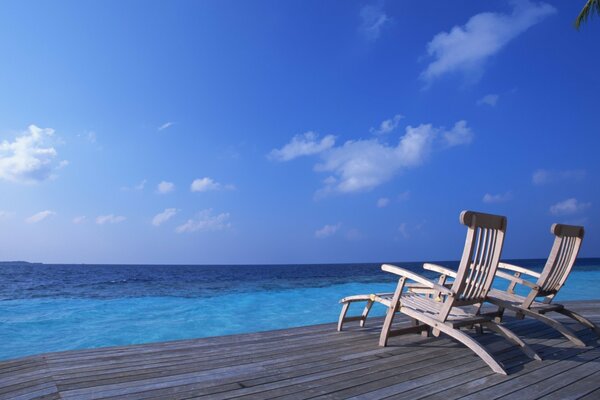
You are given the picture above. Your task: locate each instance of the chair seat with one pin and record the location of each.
(516, 300)
(432, 307)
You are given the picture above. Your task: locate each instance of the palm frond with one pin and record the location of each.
(590, 7)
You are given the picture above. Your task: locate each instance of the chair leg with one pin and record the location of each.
(342, 316)
(479, 328)
(581, 319)
(511, 337)
(460, 336)
(500, 315)
(474, 346)
(365, 313)
(387, 325)
(566, 332)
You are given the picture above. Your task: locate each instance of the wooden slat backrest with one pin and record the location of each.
(481, 255)
(567, 243)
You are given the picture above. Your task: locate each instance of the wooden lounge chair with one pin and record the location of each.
(562, 257)
(451, 307)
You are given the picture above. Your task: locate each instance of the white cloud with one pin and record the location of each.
(387, 126)
(373, 20)
(353, 235)
(30, 158)
(165, 187)
(165, 126)
(544, 176)
(109, 219)
(90, 136)
(497, 198)
(42, 215)
(207, 184)
(568, 206)
(489, 99)
(5, 215)
(302, 145)
(164, 216)
(205, 221)
(326, 231)
(79, 220)
(364, 164)
(466, 48)
(383, 202)
(459, 134)
(403, 229)
(404, 196)
(140, 186)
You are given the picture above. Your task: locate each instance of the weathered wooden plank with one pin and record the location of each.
(406, 360)
(417, 386)
(31, 391)
(576, 390)
(315, 362)
(464, 375)
(362, 380)
(595, 395)
(573, 380)
(535, 377)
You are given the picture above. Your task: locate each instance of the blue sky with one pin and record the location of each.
(292, 132)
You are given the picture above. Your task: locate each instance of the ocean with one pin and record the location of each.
(51, 307)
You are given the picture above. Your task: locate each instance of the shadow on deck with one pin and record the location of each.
(316, 362)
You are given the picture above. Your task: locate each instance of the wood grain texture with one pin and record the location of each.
(318, 362)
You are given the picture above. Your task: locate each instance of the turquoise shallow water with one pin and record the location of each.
(37, 317)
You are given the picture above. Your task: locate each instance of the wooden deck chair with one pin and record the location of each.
(459, 304)
(567, 242)
(563, 254)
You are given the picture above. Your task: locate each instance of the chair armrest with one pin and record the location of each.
(517, 280)
(417, 278)
(516, 268)
(439, 269)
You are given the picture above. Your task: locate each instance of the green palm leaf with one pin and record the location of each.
(590, 7)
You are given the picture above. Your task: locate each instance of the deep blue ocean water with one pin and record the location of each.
(47, 308)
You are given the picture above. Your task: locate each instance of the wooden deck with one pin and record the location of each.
(315, 362)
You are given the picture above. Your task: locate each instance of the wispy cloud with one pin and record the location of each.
(165, 126)
(383, 202)
(39, 217)
(165, 187)
(205, 221)
(489, 99)
(302, 145)
(207, 184)
(497, 198)
(90, 136)
(327, 231)
(545, 176)
(30, 158)
(5, 214)
(466, 48)
(139, 187)
(364, 164)
(387, 125)
(569, 207)
(164, 216)
(460, 134)
(403, 230)
(353, 235)
(373, 21)
(404, 196)
(109, 219)
(79, 220)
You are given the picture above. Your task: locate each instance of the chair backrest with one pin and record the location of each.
(567, 242)
(481, 255)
